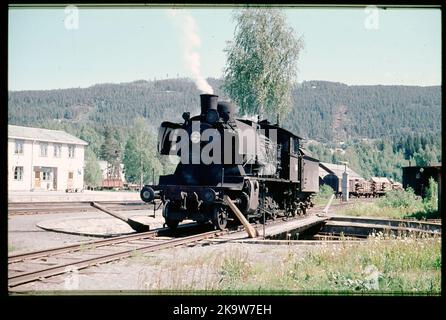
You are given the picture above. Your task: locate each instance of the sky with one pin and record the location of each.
(52, 48)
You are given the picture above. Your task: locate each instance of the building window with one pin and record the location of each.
(57, 150)
(18, 147)
(44, 149)
(71, 151)
(18, 173)
(46, 175)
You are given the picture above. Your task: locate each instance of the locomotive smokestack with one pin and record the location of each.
(208, 101)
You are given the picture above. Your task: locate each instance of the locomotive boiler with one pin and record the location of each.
(259, 165)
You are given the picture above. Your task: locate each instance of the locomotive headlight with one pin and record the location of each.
(195, 137)
(147, 194)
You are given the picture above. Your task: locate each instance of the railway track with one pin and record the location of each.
(38, 265)
(24, 208)
(33, 266)
(27, 208)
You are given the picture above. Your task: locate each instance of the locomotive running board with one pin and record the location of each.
(252, 232)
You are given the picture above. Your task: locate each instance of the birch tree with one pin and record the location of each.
(261, 62)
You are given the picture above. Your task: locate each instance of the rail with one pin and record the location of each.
(23, 277)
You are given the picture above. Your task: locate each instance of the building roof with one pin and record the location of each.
(39, 134)
(380, 180)
(337, 169)
(433, 165)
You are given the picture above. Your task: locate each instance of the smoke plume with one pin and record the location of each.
(190, 42)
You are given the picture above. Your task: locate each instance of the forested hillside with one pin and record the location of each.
(381, 157)
(394, 118)
(334, 111)
(324, 111)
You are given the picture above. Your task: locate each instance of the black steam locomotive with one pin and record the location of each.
(259, 165)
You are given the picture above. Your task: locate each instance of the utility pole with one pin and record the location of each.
(141, 176)
(140, 165)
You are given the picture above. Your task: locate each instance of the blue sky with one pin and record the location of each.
(122, 45)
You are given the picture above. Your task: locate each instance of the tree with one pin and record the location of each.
(92, 172)
(140, 158)
(431, 198)
(111, 152)
(261, 62)
(92, 136)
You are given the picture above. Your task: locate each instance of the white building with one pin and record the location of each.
(42, 159)
(104, 165)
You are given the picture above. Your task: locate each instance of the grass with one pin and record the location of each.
(236, 269)
(324, 194)
(83, 247)
(184, 273)
(409, 265)
(137, 255)
(380, 265)
(374, 209)
(11, 248)
(398, 204)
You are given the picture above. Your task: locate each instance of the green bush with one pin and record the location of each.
(430, 202)
(325, 192)
(399, 204)
(401, 199)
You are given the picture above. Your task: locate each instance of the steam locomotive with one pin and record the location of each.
(259, 165)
